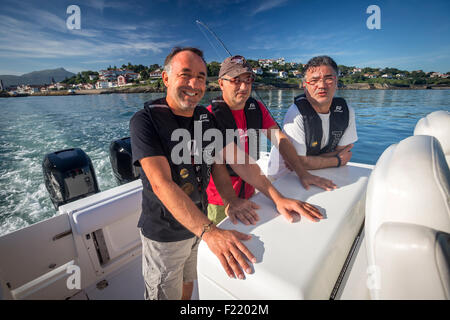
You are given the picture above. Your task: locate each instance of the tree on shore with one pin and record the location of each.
(213, 69)
(348, 74)
(154, 67)
(144, 75)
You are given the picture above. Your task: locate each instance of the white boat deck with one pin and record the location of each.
(111, 217)
(294, 261)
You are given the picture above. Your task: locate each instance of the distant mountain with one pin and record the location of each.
(37, 77)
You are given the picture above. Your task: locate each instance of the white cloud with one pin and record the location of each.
(36, 38)
(267, 5)
(102, 5)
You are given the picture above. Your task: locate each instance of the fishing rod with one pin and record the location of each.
(215, 36)
(229, 53)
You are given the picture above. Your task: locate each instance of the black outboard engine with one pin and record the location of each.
(122, 161)
(69, 176)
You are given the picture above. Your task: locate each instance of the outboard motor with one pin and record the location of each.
(69, 176)
(122, 161)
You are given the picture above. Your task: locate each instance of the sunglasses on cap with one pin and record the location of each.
(238, 59)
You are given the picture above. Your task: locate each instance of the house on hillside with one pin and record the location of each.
(265, 63)
(122, 80)
(296, 73)
(435, 75)
(273, 71)
(22, 88)
(101, 84)
(282, 74)
(257, 71)
(155, 74)
(34, 89)
(127, 78)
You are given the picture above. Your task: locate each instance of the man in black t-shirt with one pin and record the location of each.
(174, 201)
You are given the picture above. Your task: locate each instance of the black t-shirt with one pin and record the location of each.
(155, 223)
(145, 141)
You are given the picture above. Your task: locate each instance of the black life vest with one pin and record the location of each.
(224, 118)
(192, 177)
(339, 117)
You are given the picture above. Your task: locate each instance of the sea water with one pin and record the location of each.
(31, 127)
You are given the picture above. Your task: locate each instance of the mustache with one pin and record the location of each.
(191, 89)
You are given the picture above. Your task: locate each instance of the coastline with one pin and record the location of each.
(215, 87)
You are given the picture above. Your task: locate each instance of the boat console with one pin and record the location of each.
(301, 260)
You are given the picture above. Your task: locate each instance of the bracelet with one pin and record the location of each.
(339, 161)
(206, 228)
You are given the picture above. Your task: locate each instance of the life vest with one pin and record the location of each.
(193, 178)
(224, 117)
(339, 117)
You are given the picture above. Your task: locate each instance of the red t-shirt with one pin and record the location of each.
(241, 123)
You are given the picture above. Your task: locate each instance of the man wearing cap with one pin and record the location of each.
(321, 126)
(174, 202)
(236, 110)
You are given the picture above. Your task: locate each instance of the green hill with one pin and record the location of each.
(37, 77)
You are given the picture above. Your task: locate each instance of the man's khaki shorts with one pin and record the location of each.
(216, 213)
(166, 266)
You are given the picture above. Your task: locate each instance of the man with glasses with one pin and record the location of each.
(321, 127)
(174, 201)
(237, 110)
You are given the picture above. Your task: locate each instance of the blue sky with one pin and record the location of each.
(34, 36)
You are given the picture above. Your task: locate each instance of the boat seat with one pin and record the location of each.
(436, 124)
(408, 222)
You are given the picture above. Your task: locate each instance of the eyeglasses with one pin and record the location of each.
(237, 81)
(328, 80)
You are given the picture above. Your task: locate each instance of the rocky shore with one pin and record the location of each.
(213, 86)
(385, 86)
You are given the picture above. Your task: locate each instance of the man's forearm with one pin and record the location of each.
(319, 162)
(252, 174)
(289, 154)
(249, 170)
(181, 206)
(222, 181)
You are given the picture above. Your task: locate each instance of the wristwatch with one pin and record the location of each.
(206, 228)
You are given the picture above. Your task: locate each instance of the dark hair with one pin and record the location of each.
(177, 50)
(321, 61)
